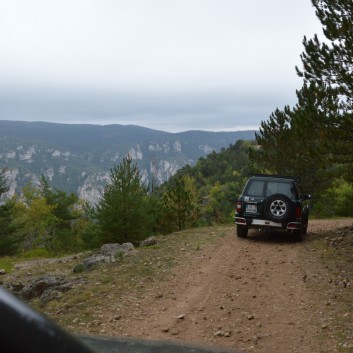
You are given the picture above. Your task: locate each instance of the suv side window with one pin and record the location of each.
(256, 188)
(275, 187)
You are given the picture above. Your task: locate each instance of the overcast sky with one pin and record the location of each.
(171, 65)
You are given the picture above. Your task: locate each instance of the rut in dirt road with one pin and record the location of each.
(247, 294)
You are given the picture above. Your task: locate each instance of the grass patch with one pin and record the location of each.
(6, 263)
(35, 254)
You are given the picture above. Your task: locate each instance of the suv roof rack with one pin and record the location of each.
(297, 179)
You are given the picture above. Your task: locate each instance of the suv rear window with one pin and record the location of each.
(256, 188)
(261, 187)
(274, 187)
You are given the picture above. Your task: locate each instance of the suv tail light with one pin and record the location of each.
(239, 206)
(298, 212)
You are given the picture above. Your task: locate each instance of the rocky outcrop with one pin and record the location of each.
(108, 253)
(46, 288)
(149, 241)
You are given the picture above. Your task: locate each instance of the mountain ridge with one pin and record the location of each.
(78, 157)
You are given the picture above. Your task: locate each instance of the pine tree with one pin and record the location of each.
(294, 142)
(180, 204)
(122, 210)
(8, 243)
(275, 138)
(328, 66)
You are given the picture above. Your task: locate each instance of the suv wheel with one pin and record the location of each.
(278, 207)
(242, 231)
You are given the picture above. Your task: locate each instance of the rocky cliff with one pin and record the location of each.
(78, 158)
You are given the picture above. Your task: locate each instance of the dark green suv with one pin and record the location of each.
(272, 202)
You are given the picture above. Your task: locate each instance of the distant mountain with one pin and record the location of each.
(78, 158)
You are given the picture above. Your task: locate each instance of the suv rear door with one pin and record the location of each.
(254, 198)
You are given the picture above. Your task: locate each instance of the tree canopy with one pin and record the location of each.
(313, 140)
(328, 70)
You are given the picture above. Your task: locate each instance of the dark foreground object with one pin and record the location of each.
(23, 330)
(120, 345)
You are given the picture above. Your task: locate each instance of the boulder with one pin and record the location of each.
(94, 260)
(38, 286)
(47, 288)
(108, 253)
(149, 241)
(113, 249)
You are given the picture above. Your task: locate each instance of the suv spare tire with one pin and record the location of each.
(278, 207)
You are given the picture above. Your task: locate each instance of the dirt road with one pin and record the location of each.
(251, 295)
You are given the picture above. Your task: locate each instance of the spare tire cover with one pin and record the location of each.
(278, 207)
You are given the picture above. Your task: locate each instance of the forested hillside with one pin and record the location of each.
(77, 158)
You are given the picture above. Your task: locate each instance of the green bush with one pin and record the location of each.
(36, 253)
(336, 201)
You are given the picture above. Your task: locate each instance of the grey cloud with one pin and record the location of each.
(180, 110)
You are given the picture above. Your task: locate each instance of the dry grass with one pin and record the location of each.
(126, 280)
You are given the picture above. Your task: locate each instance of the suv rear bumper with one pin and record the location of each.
(261, 223)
